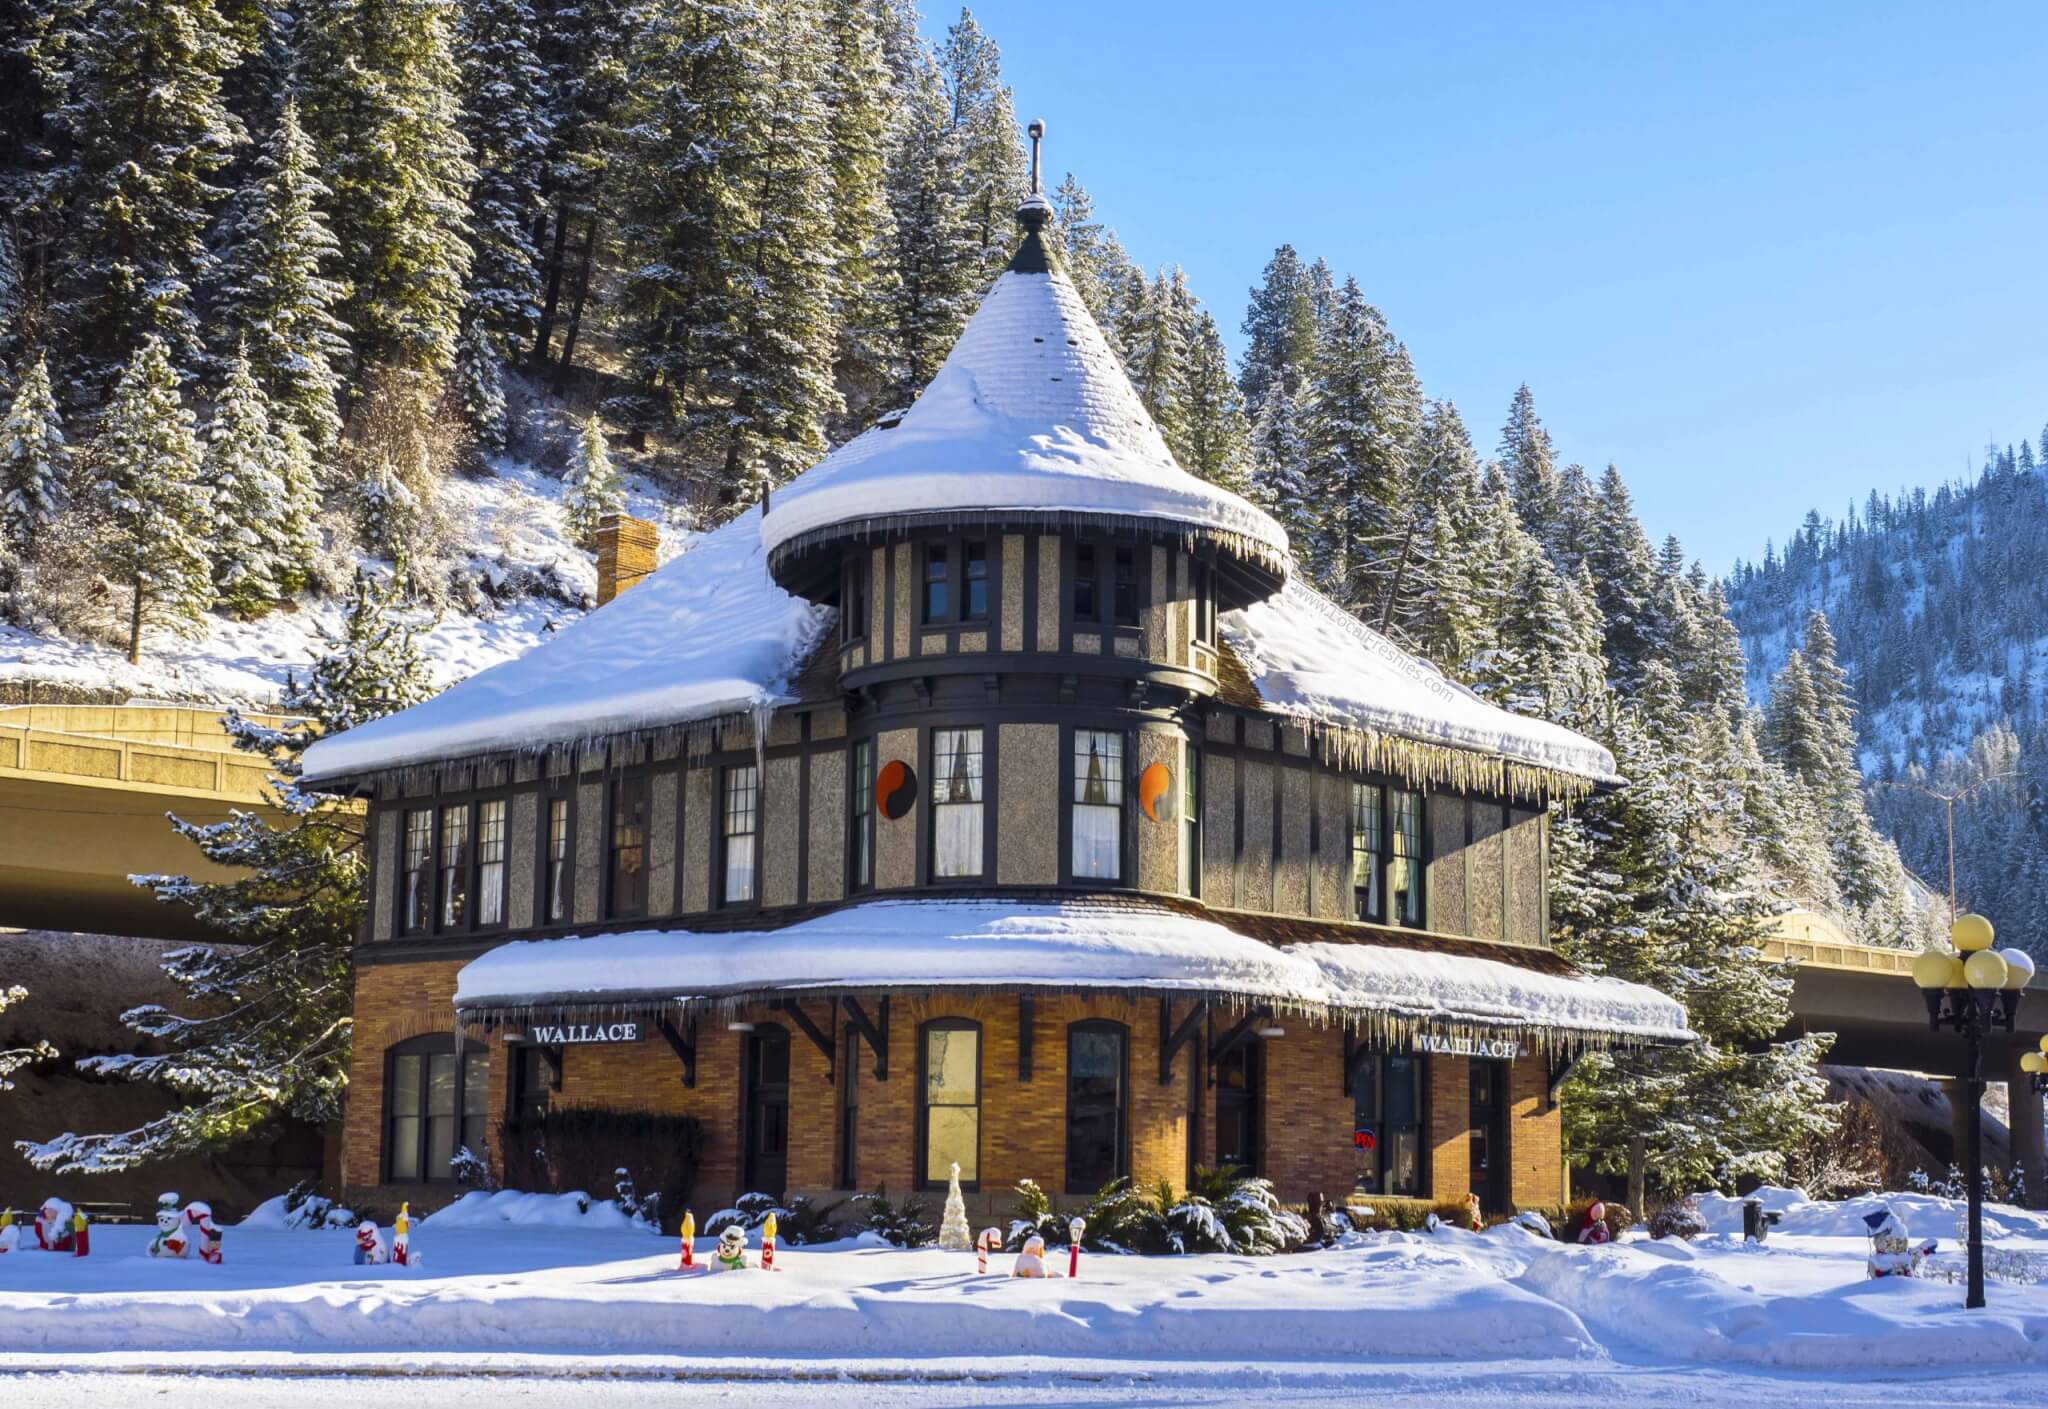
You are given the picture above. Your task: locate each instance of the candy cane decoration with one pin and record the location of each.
(987, 1243)
(689, 1261)
(1074, 1231)
(768, 1244)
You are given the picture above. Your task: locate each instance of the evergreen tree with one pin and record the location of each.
(936, 255)
(480, 385)
(269, 1035)
(245, 475)
(1214, 439)
(861, 108)
(277, 299)
(991, 171)
(157, 507)
(1091, 254)
(506, 119)
(13, 1059)
(582, 47)
(1281, 323)
(298, 528)
(1279, 474)
(1157, 354)
(148, 133)
(381, 100)
(1531, 467)
(590, 487)
(1625, 575)
(34, 461)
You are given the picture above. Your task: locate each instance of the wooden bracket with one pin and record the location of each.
(1024, 1016)
(794, 1011)
(1239, 1035)
(877, 1037)
(684, 1041)
(552, 1057)
(1561, 1069)
(1356, 1055)
(1170, 1045)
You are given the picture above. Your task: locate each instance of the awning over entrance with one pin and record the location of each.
(1005, 946)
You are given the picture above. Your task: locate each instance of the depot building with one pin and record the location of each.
(995, 793)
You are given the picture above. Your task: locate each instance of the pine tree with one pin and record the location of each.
(1624, 573)
(590, 487)
(277, 298)
(1531, 467)
(34, 461)
(297, 527)
(582, 46)
(245, 475)
(480, 385)
(1090, 253)
(156, 504)
(861, 107)
(936, 256)
(381, 101)
(269, 1035)
(1427, 595)
(13, 1059)
(148, 133)
(991, 171)
(1279, 474)
(1281, 323)
(506, 119)
(1157, 354)
(1214, 438)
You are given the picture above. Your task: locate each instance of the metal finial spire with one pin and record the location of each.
(1037, 132)
(1035, 210)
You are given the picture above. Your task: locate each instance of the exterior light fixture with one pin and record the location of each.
(739, 1027)
(1272, 1032)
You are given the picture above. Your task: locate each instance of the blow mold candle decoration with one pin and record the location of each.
(1075, 1228)
(201, 1232)
(688, 1261)
(81, 1236)
(10, 1236)
(988, 1242)
(768, 1243)
(401, 1238)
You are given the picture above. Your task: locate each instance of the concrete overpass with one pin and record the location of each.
(1866, 997)
(83, 793)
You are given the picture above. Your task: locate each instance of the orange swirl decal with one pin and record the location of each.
(1155, 783)
(895, 790)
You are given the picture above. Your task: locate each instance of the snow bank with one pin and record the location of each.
(478, 1209)
(1925, 1215)
(1079, 944)
(707, 634)
(1310, 658)
(1030, 411)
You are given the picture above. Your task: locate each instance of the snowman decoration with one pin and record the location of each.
(1031, 1261)
(172, 1239)
(731, 1252)
(1892, 1251)
(370, 1249)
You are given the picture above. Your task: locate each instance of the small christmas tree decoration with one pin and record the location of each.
(1031, 1261)
(370, 1249)
(988, 1242)
(768, 1243)
(688, 1261)
(81, 1239)
(954, 1234)
(731, 1253)
(10, 1236)
(1075, 1228)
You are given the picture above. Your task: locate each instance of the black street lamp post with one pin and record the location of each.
(1975, 992)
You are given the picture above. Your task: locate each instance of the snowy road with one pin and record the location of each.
(1561, 1385)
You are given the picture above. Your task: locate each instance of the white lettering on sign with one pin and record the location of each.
(1499, 1049)
(573, 1034)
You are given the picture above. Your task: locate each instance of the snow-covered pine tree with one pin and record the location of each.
(277, 295)
(13, 293)
(147, 134)
(506, 118)
(270, 1033)
(246, 476)
(1214, 439)
(156, 503)
(1279, 467)
(1530, 462)
(861, 109)
(1157, 353)
(1365, 411)
(13, 1059)
(991, 174)
(480, 385)
(1281, 323)
(34, 460)
(590, 486)
(1427, 598)
(380, 96)
(1624, 573)
(936, 258)
(581, 45)
(297, 516)
(1090, 252)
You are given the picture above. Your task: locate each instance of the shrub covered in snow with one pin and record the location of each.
(1224, 1210)
(585, 1147)
(1678, 1220)
(904, 1225)
(798, 1221)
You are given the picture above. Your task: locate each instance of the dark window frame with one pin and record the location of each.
(924, 1106)
(726, 900)
(643, 779)
(1191, 803)
(981, 875)
(548, 892)
(1126, 877)
(853, 615)
(943, 613)
(1107, 584)
(530, 1080)
(426, 1047)
(1371, 1077)
(1087, 1184)
(860, 821)
(1368, 902)
(471, 802)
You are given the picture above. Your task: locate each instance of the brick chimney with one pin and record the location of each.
(626, 550)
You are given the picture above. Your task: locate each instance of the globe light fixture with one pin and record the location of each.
(1971, 933)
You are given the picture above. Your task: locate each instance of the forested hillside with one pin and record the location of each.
(1938, 603)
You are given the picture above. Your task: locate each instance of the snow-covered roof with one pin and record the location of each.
(926, 944)
(1310, 658)
(1030, 413)
(707, 634)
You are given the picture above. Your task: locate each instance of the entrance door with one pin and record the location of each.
(767, 1162)
(1488, 1116)
(1237, 1108)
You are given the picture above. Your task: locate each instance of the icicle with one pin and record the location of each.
(764, 715)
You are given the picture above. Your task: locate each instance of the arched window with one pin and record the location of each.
(433, 1106)
(949, 1101)
(1098, 1094)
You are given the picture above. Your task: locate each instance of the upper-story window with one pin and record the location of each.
(1098, 828)
(454, 868)
(1386, 854)
(1087, 603)
(853, 616)
(1368, 852)
(454, 914)
(742, 828)
(956, 803)
(938, 583)
(629, 846)
(1126, 586)
(556, 876)
(863, 799)
(1190, 820)
(491, 849)
(1205, 604)
(417, 913)
(1404, 868)
(974, 592)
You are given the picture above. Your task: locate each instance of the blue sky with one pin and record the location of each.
(1762, 257)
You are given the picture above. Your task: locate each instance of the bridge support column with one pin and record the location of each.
(2027, 1136)
(1958, 1092)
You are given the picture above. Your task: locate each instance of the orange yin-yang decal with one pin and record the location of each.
(1155, 792)
(895, 790)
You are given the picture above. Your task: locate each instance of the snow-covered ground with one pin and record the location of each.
(552, 1296)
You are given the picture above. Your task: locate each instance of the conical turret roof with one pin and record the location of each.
(1029, 421)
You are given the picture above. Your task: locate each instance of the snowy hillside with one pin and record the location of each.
(522, 576)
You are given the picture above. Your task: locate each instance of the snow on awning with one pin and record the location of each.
(708, 634)
(1310, 658)
(938, 944)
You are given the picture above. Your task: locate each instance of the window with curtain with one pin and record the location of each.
(742, 827)
(863, 837)
(1190, 820)
(1368, 852)
(1127, 587)
(1404, 869)
(956, 803)
(557, 872)
(974, 594)
(951, 1100)
(1098, 805)
(937, 584)
(1387, 1121)
(436, 1106)
(417, 915)
(491, 849)
(1096, 1094)
(455, 867)
(629, 845)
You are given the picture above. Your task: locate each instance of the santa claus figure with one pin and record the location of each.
(54, 1226)
(1596, 1230)
(370, 1249)
(731, 1252)
(1893, 1253)
(1031, 1261)
(171, 1239)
